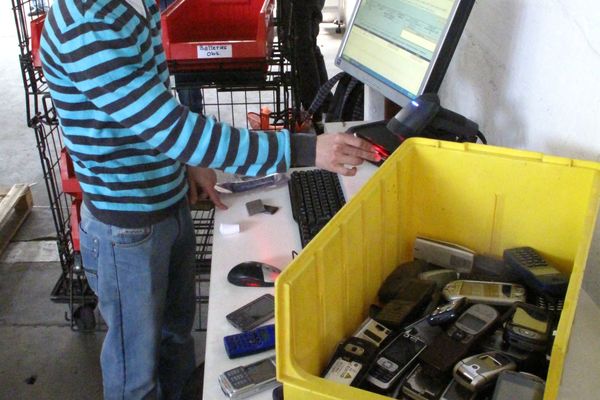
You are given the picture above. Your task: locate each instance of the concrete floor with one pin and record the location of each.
(40, 356)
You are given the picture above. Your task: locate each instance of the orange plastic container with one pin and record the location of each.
(69, 182)
(36, 27)
(218, 34)
(75, 220)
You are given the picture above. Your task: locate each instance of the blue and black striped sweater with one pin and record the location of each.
(127, 135)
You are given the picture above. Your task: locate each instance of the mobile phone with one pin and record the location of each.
(423, 386)
(394, 360)
(453, 345)
(535, 271)
(350, 361)
(397, 281)
(441, 277)
(372, 331)
(423, 330)
(444, 254)
(519, 385)
(495, 342)
(479, 371)
(447, 312)
(253, 314)
(455, 391)
(251, 342)
(528, 328)
(250, 183)
(497, 293)
(247, 380)
(410, 301)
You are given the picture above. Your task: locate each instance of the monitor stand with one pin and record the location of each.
(378, 134)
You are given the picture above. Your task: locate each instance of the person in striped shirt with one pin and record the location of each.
(136, 153)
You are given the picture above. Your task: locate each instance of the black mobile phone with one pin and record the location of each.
(455, 391)
(409, 302)
(394, 359)
(420, 385)
(453, 345)
(350, 362)
(253, 314)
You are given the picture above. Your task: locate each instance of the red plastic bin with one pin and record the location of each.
(36, 26)
(75, 220)
(70, 184)
(218, 34)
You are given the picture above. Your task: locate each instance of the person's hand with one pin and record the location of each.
(341, 152)
(202, 184)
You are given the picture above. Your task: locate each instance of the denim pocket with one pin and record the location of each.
(130, 237)
(89, 247)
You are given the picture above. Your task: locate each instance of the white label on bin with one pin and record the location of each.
(215, 51)
(343, 371)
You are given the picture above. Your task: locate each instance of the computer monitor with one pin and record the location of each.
(402, 48)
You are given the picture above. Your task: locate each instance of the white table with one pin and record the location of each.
(271, 239)
(262, 237)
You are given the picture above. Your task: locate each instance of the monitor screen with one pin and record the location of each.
(402, 48)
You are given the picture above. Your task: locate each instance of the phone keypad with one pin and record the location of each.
(528, 257)
(238, 378)
(384, 370)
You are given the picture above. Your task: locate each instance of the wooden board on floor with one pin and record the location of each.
(15, 206)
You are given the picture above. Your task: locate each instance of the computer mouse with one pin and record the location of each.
(253, 273)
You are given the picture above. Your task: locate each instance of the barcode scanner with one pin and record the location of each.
(412, 119)
(425, 117)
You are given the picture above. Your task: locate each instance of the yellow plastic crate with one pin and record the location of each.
(483, 197)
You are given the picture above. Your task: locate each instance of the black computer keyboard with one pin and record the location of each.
(316, 196)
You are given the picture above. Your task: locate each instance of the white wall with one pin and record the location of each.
(528, 71)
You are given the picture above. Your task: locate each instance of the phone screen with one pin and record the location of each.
(470, 321)
(262, 371)
(258, 310)
(403, 350)
(522, 318)
(481, 289)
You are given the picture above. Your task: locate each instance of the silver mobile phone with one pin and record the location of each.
(496, 293)
(246, 380)
(444, 254)
(479, 371)
(519, 385)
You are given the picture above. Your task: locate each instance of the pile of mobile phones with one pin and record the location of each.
(250, 378)
(456, 325)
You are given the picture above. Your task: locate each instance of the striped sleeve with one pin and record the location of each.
(108, 63)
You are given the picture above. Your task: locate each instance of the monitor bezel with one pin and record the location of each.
(442, 55)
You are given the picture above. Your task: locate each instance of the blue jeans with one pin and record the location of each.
(144, 280)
